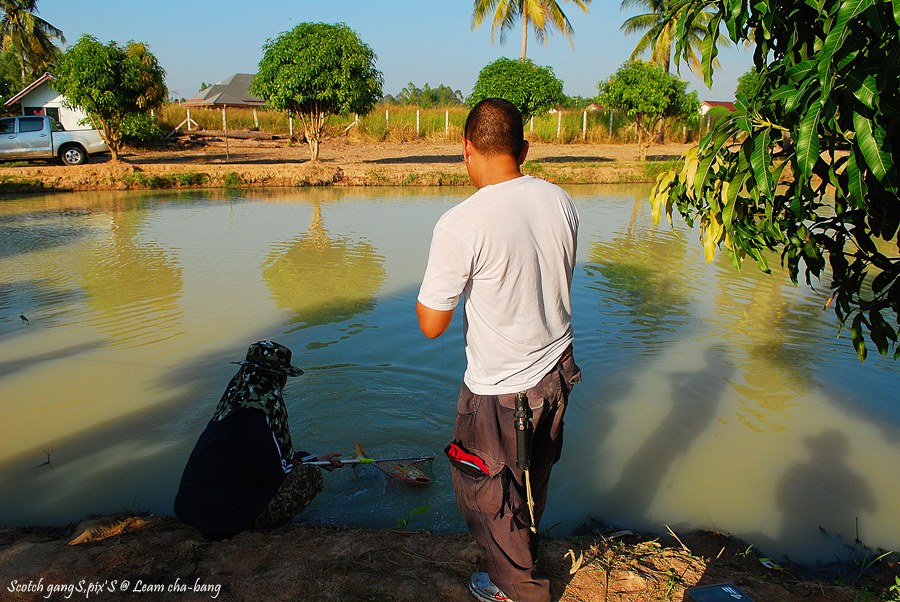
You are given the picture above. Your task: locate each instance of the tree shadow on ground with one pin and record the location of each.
(455, 158)
(663, 157)
(574, 159)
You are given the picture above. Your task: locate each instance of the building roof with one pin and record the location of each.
(233, 92)
(29, 89)
(718, 103)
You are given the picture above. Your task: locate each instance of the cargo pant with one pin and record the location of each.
(297, 490)
(495, 506)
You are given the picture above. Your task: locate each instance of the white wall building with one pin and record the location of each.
(39, 98)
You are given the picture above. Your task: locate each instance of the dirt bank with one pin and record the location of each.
(157, 558)
(243, 163)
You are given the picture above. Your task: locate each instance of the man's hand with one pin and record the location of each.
(331, 457)
(433, 322)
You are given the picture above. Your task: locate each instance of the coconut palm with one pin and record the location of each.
(30, 36)
(542, 15)
(659, 32)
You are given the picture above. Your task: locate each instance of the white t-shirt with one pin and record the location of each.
(510, 248)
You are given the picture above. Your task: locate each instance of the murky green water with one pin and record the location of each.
(711, 399)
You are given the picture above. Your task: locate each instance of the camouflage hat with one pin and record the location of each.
(271, 356)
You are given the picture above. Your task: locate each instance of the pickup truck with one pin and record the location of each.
(42, 137)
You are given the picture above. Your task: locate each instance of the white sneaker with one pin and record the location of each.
(483, 589)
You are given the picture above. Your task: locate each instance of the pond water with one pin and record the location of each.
(711, 399)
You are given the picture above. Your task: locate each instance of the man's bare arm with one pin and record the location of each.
(433, 322)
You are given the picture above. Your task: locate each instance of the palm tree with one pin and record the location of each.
(659, 37)
(541, 14)
(29, 35)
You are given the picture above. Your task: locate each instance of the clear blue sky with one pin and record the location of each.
(416, 41)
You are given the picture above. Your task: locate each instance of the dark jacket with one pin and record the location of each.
(234, 470)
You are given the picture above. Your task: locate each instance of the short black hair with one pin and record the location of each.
(494, 126)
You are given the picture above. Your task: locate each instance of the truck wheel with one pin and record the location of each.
(73, 155)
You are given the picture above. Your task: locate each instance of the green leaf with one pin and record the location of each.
(734, 189)
(863, 86)
(801, 97)
(857, 337)
(897, 11)
(419, 510)
(877, 159)
(720, 140)
(849, 10)
(856, 182)
(808, 140)
(801, 71)
(709, 49)
(760, 162)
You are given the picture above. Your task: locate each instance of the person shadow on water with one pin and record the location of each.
(822, 498)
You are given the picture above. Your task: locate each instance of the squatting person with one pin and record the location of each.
(243, 472)
(510, 250)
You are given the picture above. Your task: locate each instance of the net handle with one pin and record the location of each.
(373, 460)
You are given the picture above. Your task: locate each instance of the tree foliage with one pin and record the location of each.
(542, 15)
(814, 173)
(645, 93)
(10, 74)
(533, 89)
(317, 70)
(748, 84)
(110, 82)
(29, 36)
(428, 97)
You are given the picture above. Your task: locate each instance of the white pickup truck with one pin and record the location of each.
(42, 137)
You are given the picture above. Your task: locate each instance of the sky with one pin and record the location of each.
(418, 41)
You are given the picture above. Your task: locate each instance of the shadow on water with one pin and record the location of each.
(41, 301)
(39, 231)
(10, 367)
(692, 407)
(128, 463)
(813, 491)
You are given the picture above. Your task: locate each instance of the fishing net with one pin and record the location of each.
(415, 472)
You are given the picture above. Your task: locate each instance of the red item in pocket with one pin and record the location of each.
(466, 461)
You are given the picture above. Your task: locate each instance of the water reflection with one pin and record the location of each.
(320, 278)
(637, 271)
(133, 285)
(765, 331)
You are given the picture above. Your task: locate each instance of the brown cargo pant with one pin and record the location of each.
(495, 507)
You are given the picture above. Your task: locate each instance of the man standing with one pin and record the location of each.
(510, 249)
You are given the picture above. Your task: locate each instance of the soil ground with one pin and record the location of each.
(209, 162)
(308, 562)
(149, 558)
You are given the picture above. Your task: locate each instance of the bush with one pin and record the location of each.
(140, 129)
